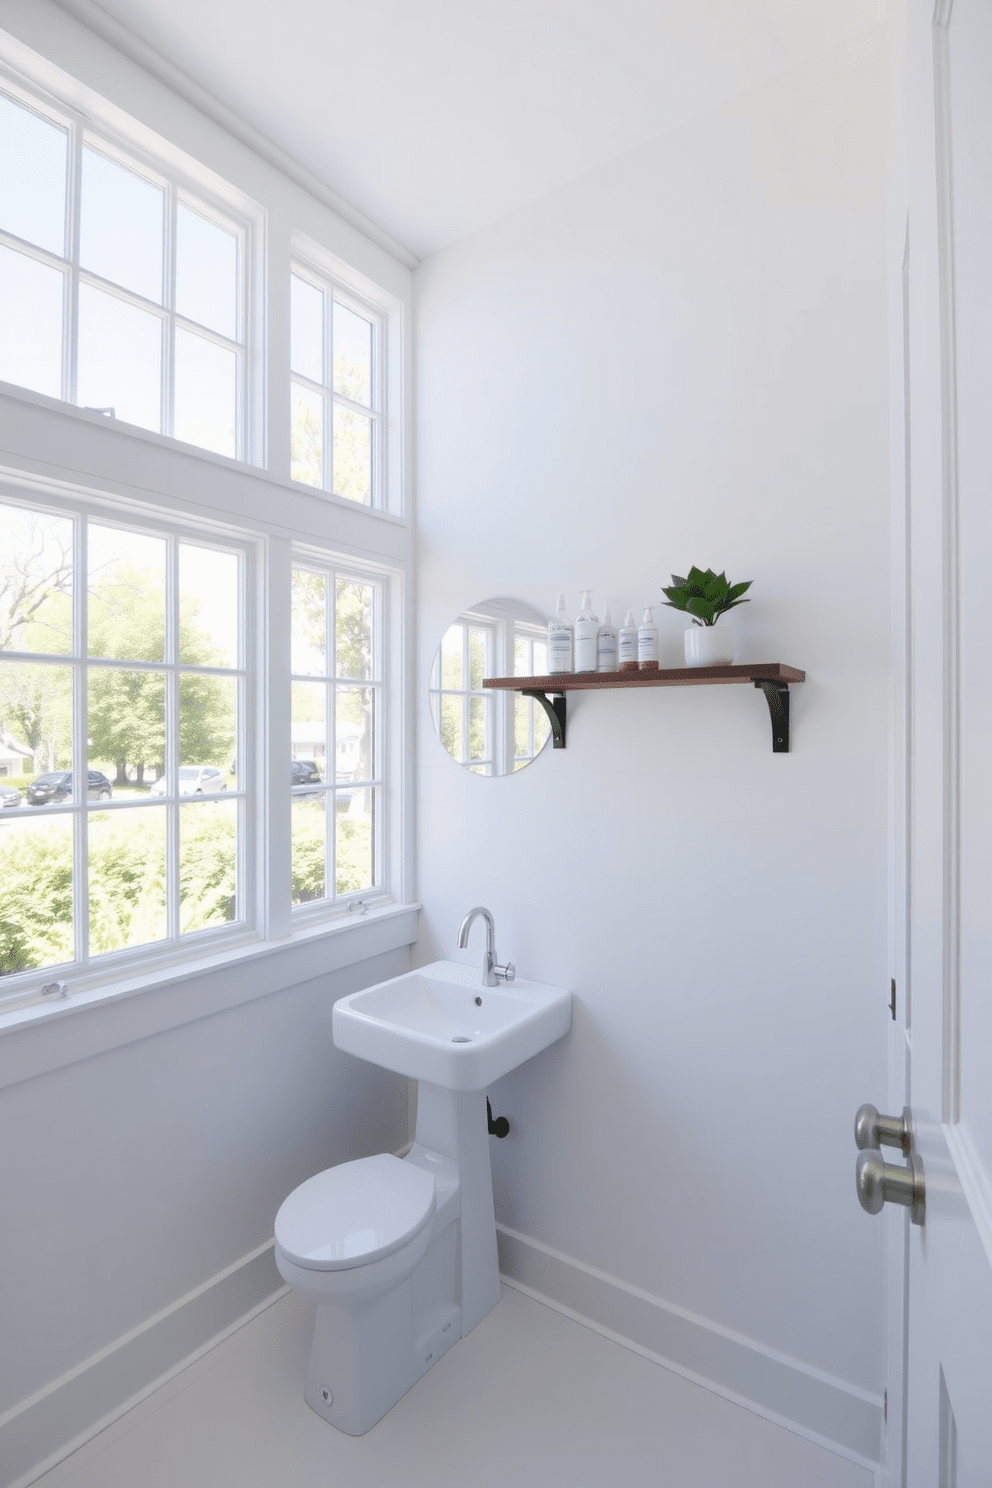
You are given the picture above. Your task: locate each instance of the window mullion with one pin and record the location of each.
(328, 398)
(168, 413)
(331, 741)
(70, 341)
(172, 753)
(80, 749)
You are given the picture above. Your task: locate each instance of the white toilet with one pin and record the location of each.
(399, 1255)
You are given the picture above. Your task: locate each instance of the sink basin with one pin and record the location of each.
(442, 1025)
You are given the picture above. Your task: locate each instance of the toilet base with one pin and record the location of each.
(364, 1360)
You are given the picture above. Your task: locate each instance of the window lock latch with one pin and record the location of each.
(55, 989)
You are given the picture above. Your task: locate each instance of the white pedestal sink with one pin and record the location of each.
(444, 1029)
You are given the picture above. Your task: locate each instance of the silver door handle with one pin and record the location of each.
(881, 1183)
(873, 1130)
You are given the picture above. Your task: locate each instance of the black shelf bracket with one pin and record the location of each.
(554, 707)
(777, 698)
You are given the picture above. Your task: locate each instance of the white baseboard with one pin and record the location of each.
(818, 1406)
(43, 1429)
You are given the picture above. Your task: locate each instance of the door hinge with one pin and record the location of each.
(892, 1000)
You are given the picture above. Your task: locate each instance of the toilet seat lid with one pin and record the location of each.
(354, 1213)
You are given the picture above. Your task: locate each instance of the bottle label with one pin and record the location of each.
(559, 647)
(647, 645)
(606, 651)
(585, 653)
(628, 646)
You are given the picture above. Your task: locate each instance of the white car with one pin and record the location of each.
(194, 780)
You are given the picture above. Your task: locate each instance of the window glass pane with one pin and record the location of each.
(540, 661)
(32, 177)
(309, 624)
(478, 729)
(451, 657)
(352, 355)
(36, 714)
(30, 323)
(208, 865)
(354, 734)
(308, 728)
(126, 594)
(478, 655)
(206, 394)
(206, 272)
(126, 727)
(35, 582)
(208, 606)
(307, 436)
(208, 713)
(522, 711)
(352, 455)
(36, 926)
(309, 849)
(127, 885)
(353, 626)
(120, 358)
(306, 329)
(120, 226)
(453, 726)
(355, 843)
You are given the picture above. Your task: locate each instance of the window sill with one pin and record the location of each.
(42, 1037)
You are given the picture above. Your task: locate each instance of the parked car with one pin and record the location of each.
(56, 785)
(194, 780)
(304, 772)
(9, 796)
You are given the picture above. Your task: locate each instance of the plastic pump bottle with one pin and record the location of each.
(627, 650)
(586, 630)
(606, 645)
(560, 640)
(647, 642)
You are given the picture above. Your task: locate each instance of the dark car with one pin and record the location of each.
(9, 796)
(304, 772)
(56, 785)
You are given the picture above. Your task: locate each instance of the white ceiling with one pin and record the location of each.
(436, 117)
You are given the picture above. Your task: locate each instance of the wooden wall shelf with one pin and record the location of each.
(770, 677)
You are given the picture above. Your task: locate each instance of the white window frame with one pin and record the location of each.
(304, 559)
(210, 198)
(337, 280)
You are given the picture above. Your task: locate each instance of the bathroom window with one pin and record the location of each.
(122, 707)
(336, 357)
(120, 290)
(337, 736)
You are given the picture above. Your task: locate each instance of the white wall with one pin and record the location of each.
(681, 358)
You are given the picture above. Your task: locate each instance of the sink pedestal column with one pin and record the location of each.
(455, 1124)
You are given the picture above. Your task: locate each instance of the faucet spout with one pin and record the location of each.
(492, 974)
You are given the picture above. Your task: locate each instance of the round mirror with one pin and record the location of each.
(490, 732)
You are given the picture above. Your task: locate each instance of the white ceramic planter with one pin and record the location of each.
(709, 645)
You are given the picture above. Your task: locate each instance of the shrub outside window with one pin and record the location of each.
(120, 291)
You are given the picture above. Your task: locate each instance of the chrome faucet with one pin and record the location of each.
(492, 974)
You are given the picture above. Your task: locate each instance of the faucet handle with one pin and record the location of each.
(505, 973)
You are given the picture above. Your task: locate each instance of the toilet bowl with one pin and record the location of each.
(374, 1244)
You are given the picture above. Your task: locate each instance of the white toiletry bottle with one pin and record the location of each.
(606, 645)
(647, 642)
(560, 640)
(627, 646)
(586, 630)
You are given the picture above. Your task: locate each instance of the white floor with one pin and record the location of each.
(530, 1399)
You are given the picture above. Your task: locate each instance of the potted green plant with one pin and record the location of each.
(706, 596)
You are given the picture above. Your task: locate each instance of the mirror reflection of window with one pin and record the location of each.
(490, 733)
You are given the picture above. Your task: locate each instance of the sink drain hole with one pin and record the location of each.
(460, 1038)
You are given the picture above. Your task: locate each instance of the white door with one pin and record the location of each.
(944, 815)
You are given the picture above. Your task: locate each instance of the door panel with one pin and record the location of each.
(947, 860)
